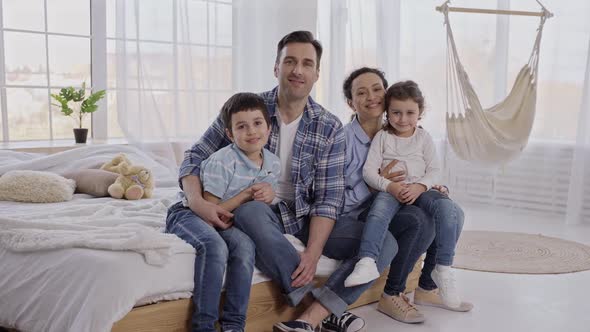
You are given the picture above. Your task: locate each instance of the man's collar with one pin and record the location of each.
(311, 110)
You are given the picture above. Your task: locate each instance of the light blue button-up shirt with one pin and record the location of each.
(356, 191)
(229, 171)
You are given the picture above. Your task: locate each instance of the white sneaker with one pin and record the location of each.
(445, 280)
(365, 270)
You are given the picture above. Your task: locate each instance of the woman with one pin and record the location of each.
(364, 90)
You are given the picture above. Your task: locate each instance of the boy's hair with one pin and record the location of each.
(347, 85)
(402, 91)
(243, 101)
(300, 37)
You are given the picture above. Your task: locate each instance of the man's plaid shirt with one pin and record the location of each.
(317, 166)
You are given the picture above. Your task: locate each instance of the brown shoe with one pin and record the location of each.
(399, 308)
(432, 298)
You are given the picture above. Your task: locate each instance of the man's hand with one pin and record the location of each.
(305, 272)
(398, 176)
(263, 192)
(211, 213)
(412, 192)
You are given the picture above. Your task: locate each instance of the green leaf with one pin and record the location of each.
(89, 105)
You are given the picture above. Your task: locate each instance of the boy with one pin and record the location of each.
(240, 172)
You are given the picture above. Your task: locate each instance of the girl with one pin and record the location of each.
(401, 139)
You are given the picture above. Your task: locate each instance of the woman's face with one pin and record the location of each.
(368, 94)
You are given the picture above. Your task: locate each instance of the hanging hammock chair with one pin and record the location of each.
(497, 134)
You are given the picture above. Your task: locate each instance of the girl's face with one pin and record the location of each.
(367, 96)
(403, 116)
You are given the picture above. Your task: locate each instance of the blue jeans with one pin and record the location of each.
(448, 219)
(414, 230)
(277, 258)
(215, 250)
(382, 210)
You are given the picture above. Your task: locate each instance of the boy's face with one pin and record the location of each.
(249, 130)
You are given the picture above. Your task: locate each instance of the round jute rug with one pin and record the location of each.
(508, 252)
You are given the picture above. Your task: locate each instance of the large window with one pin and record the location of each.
(42, 51)
(177, 51)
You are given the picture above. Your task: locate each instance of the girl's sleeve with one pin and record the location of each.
(373, 163)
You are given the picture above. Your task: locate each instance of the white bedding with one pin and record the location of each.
(73, 287)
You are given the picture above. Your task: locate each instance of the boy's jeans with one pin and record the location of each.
(448, 219)
(214, 250)
(382, 210)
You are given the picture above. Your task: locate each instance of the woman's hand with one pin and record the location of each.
(263, 192)
(398, 176)
(411, 193)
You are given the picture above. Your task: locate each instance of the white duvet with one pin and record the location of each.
(82, 265)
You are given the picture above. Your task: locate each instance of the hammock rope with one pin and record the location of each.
(498, 134)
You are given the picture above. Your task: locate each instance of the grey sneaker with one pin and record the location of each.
(348, 322)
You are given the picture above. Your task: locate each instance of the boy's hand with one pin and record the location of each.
(211, 213)
(398, 176)
(263, 192)
(412, 192)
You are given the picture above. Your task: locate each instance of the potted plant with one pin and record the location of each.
(74, 103)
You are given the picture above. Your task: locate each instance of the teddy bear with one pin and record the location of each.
(134, 182)
(113, 165)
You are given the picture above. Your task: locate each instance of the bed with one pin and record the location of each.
(84, 287)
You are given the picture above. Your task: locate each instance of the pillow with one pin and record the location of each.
(35, 187)
(93, 182)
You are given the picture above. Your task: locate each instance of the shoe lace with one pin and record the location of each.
(404, 305)
(338, 324)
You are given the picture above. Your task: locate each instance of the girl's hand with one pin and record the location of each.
(395, 189)
(263, 192)
(411, 193)
(442, 189)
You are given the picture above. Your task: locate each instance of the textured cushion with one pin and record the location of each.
(35, 187)
(93, 182)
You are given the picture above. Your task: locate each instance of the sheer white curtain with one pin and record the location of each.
(579, 192)
(172, 64)
(407, 40)
(170, 69)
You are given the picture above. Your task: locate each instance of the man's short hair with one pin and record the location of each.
(300, 37)
(243, 101)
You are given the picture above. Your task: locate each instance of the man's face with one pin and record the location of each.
(297, 70)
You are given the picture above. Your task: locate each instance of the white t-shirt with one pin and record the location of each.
(287, 132)
(417, 152)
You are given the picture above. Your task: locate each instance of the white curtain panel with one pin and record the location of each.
(177, 61)
(578, 207)
(407, 40)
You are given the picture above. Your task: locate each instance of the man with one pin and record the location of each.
(310, 144)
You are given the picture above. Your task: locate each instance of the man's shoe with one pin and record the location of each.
(399, 308)
(348, 322)
(292, 326)
(445, 280)
(432, 298)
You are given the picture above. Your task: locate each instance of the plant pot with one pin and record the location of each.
(80, 134)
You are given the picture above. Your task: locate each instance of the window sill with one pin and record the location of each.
(55, 145)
